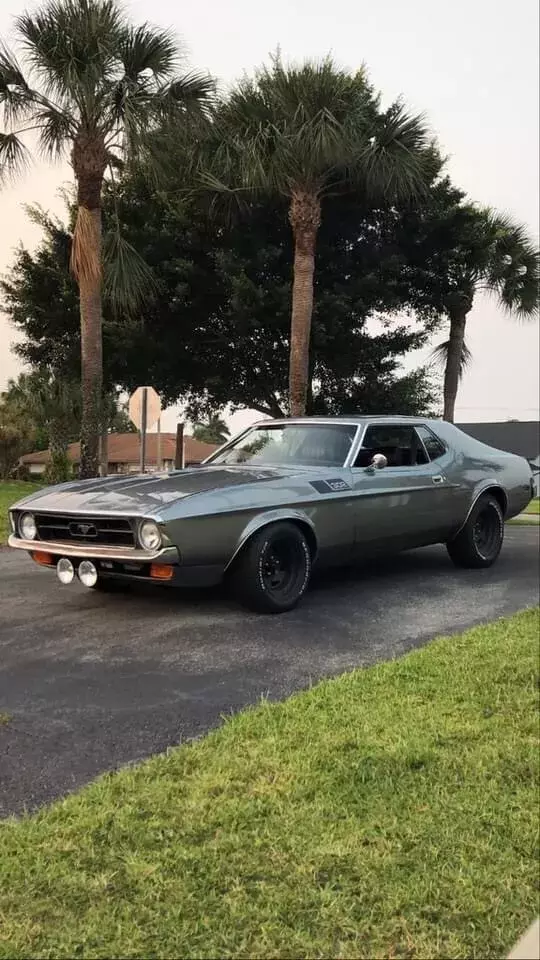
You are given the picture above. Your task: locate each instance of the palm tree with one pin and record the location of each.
(215, 430)
(305, 132)
(491, 253)
(51, 404)
(97, 89)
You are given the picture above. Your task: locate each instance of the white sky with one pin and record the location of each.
(472, 66)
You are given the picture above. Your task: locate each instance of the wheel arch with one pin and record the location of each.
(500, 495)
(495, 489)
(299, 519)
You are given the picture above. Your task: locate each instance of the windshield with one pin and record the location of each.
(294, 443)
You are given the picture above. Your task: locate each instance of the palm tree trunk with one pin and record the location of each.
(89, 160)
(60, 468)
(453, 361)
(91, 366)
(305, 218)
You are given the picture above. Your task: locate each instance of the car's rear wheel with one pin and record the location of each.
(272, 571)
(480, 541)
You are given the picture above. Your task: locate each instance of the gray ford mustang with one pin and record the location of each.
(277, 499)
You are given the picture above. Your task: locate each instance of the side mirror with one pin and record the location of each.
(379, 461)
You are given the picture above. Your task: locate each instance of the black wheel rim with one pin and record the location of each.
(487, 532)
(282, 565)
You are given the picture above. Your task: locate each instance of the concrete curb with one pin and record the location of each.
(528, 948)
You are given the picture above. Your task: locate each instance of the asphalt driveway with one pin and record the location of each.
(89, 682)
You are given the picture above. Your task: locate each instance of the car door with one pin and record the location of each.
(407, 502)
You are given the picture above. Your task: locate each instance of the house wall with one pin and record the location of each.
(38, 469)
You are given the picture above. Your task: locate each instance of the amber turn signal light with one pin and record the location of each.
(161, 571)
(45, 559)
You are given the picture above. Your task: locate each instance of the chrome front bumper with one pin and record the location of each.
(86, 552)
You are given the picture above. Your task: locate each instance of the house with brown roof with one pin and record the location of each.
(124, 453)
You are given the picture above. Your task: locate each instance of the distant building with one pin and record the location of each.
(124, 452)
(521, 437)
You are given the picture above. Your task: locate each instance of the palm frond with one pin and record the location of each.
(144, 49)
(14, 156)
(56, 130)
(512, 268)
(128, 280)
(97, 74)
(439, 356)
(393, 161)
(317, 127)
(188, 91)
(72, 45)
(16, 97)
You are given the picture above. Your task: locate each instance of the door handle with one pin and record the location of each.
(438, 478)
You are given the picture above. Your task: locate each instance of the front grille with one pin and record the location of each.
(111, 531)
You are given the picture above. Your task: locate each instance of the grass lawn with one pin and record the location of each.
(533, 506)
(389, 813)
(9, 494)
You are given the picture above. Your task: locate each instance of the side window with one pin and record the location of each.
(399, 444)
(435, 447)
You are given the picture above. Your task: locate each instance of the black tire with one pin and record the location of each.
(272, 571)
(479, 543)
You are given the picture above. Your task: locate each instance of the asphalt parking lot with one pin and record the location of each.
(89, 682)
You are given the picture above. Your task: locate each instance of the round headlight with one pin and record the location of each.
(65, 571)
(88, 574)
(149, 535)
(27, 527)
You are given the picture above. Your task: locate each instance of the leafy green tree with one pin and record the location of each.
(217, 330)
(118, 417)
(215, 430)
(52, 405)
(306, 133)
(16, 436)
(98, 88)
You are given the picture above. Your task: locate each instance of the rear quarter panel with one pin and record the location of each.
(477, 467)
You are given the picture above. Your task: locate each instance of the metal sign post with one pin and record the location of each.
(159, 456)
(144, 417)
(179, 459)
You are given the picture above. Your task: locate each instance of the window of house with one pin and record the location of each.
(400, 445)
(435, 447)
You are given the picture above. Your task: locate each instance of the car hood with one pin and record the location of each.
(146, 495)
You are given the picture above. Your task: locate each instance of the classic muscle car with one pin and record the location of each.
(281, 497)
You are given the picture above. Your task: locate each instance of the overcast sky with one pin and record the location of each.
(470, 65)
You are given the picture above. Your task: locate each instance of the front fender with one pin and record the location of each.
(272, 516)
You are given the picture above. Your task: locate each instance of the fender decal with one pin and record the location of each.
(336, 485)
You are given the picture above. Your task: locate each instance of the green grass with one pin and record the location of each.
(389, 813)
(533, 506)
(9, 494)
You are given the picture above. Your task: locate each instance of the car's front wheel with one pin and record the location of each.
(479, 542)
(272, 571)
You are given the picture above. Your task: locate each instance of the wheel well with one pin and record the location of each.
(309, 535)
(500, 497)
(302, 525)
